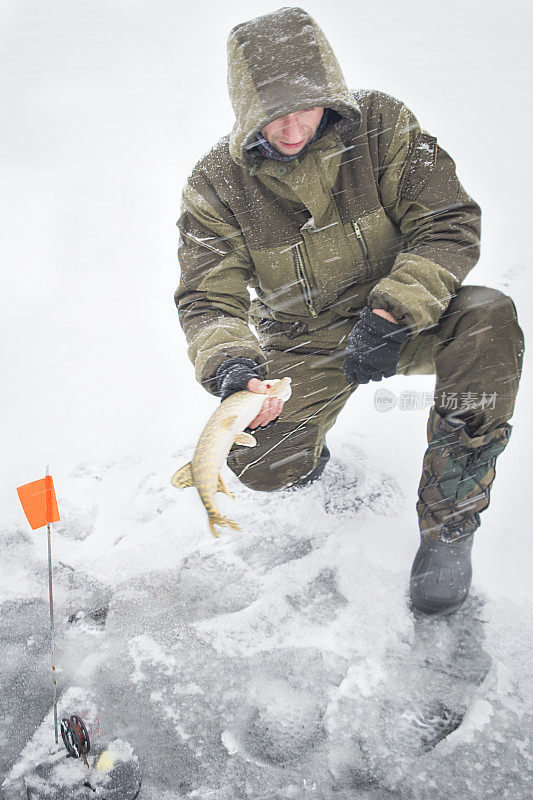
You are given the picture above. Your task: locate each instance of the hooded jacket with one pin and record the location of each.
(372, 213)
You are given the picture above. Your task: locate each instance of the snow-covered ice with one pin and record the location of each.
(277, 662)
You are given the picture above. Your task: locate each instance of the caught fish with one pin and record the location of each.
(225, 427)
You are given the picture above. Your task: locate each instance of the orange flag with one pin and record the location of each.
(39, 502)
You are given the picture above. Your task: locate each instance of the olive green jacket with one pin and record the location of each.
(371, 213)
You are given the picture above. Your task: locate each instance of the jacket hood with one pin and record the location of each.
(280, 63)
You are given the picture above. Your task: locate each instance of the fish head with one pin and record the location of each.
(279, 387)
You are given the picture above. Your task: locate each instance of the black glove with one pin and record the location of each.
(374, 347)
(233, 375)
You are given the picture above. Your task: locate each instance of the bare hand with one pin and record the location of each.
(272, 406)
(385, 314)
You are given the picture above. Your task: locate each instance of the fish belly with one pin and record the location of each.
(209, 458)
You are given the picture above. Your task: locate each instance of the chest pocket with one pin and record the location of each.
(325, 260)
(304, 277)
(278, 280)
(374, 242)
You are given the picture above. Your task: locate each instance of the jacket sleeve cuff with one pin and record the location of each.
(226, 338)
(208, 377)
(233, 375)
(383, 299)
(384, 328)
(417, 292)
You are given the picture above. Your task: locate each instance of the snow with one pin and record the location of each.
(284, 661)
(280, 654)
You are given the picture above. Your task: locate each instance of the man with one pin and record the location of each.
(351, 226)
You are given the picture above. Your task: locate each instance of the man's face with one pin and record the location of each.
(291, 133)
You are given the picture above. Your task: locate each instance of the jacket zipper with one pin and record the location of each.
(362, 241)
(302, 277)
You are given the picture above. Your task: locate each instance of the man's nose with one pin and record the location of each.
(292, 130)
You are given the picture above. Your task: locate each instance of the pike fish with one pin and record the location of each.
(225, 427)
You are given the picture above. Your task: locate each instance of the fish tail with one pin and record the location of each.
(217, 519)
(183, 478)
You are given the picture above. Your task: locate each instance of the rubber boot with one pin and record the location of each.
(441, 574)
(457, 476)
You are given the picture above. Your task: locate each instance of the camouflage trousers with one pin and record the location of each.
(475, 351)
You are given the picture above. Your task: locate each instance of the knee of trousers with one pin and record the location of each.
(284, 452)
(486, 304)
(493, 311)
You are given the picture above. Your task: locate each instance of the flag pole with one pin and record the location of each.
(51, 616)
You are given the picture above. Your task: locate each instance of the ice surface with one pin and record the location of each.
(282, 661)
